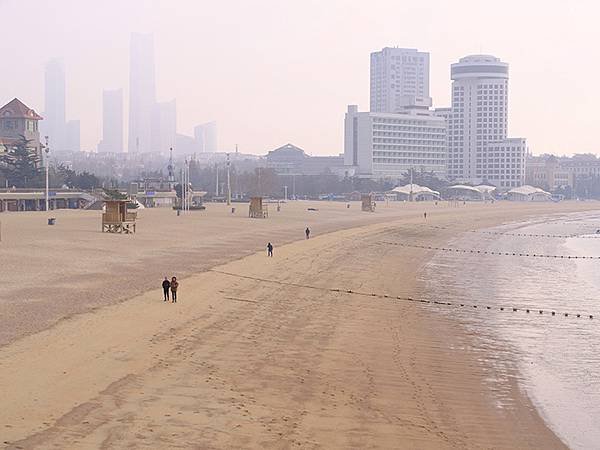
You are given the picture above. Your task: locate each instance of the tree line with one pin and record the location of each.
(21, 167)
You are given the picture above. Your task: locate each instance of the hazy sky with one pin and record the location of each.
(275, 71)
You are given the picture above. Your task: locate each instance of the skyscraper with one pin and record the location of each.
(478, 124)
(164, 126)
(112, 121)
(206, 136)
(399, 76)
(55, 120)
(142, 92)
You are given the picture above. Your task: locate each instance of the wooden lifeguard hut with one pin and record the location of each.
(116, 218)
(258, 209)
(367, 203)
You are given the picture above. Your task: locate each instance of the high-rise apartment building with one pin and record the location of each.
(478, 124)
(399, 76)
(142, 92)
(112, 121)
(55, 117)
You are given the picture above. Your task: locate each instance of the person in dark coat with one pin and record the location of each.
(269, 249)
(166, 285)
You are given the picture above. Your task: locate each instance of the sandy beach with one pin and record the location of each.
(259, 352)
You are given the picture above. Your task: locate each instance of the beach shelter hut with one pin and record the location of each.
(258, 209)
(367, 203)
(116, 218)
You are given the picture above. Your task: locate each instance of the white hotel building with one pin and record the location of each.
(386, 145)
(478, 148)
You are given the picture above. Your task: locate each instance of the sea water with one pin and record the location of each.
(556, 358)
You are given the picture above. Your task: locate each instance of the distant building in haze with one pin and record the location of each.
(142, 92)
(164, 126)
(185, 145)
(112, 122)
(292, 160)
(478, 149)
(398, 76)
(206, 136)
(55, 122)
(581, 171)
(73, 136)
(548, 172)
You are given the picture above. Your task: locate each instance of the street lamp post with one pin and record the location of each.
(182, 191)
(410, 195)
(217, 180)
(228, 182)
(47, 150)
(187, 184)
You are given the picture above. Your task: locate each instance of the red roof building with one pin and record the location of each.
(16, 120)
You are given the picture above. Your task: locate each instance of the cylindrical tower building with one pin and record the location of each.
(479, 115)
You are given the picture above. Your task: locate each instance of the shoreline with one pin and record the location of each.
(531, 345)
(100, 378)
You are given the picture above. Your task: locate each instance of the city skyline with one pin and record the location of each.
(226, 76)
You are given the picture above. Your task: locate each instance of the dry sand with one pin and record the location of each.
(240, 362)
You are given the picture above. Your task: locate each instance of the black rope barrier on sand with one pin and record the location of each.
(486, 252)
(530, 310)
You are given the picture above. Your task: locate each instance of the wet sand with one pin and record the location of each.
(241, 362)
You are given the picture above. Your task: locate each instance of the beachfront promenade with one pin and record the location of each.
(249, 357)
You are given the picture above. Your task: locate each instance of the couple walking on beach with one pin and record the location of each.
(170, 286)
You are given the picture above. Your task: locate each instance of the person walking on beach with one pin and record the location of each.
(270, 249)
(425, 215)
(307, 231)
(166, 285)
(174, 286)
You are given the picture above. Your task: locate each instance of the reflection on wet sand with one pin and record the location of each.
(555, 359)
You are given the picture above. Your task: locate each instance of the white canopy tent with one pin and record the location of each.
(462, 190)
(416, 191)
(529, 193)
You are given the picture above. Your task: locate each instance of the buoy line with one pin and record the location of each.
(486, 252)
(464, 306)
(508, 233)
